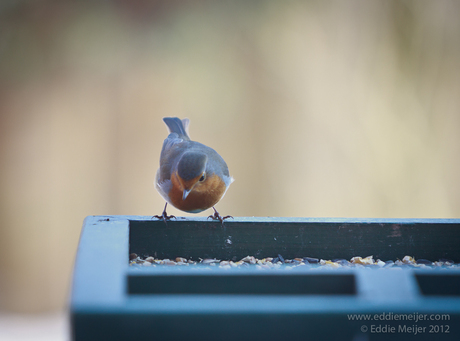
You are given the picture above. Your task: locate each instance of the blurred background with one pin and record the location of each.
(320, 109)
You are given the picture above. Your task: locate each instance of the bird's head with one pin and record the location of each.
(191, 172)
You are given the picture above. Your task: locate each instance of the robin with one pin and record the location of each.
(192, 177)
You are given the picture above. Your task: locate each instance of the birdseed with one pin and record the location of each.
(279, 262)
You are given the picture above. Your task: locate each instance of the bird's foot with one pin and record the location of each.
(164, 215)
(217, 216)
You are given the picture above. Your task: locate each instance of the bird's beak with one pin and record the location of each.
(186, 193)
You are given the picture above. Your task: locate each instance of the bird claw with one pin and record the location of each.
(164, 216)
(217, 216)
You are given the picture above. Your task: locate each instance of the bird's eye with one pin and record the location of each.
(202, 178)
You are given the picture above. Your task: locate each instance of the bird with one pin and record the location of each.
(192, 177)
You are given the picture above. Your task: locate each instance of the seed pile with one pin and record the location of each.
(280, 262)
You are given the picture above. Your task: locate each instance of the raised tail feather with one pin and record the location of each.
(178, 126)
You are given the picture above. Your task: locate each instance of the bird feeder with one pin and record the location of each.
(115, 298)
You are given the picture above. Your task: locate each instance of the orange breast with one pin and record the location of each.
(203, 196)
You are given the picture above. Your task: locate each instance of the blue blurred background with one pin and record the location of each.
(320, 108)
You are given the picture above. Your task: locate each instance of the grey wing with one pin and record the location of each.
(168, 156)
(163, 187)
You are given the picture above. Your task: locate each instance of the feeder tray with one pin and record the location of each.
(111, 300)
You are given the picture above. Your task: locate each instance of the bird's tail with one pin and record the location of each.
(178, 126)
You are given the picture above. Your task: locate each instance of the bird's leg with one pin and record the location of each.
(217, 216)
(164, 215)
